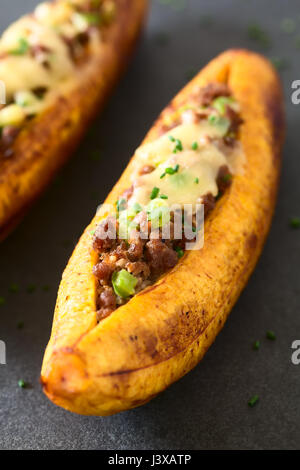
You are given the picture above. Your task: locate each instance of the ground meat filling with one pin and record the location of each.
(212, 91)
(148, 257)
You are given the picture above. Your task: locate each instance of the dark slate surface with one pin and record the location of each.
(208, 408)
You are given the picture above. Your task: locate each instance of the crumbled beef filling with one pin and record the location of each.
(9, 133)
(147, 169)
(212, 91)
(160, 257)
(148, 257)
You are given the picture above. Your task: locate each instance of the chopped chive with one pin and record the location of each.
(13, 288)
(31, 288)
(46, 288)
(163, 196)
(171, 171)
(92, 232)
(196, 180)
(280, 63)
(256, 345)
(180, 252)
(162, 175)
(2, 300)
(20, 325)
(178, 146)
(22, 48)
(95, 156)
(256, 33)
(92, 19)
(221, 103)
(171, 138)
(271, 335)
(295, 222)
(22, 384)
(253, 400)
(154, 192)
(227, 178)
(121, 205)
(195, 146)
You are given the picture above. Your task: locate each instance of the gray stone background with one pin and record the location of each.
(208, 408)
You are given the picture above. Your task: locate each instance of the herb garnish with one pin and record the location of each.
(271, 335)
(91, 18)
(180, 252)
(227, 178)
(256, 33)
(170, 171)
(280, 63)
(31, 288)
(121, 205)
(295, 222)
(154, 193)
(22, 48)
(178, 146)
(22, 384)
(13, 288)
(20, 325)
(253, 400)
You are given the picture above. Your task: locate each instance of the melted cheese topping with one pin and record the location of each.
(197, 169)
(24, 72)
(158, 151)
(34, 53)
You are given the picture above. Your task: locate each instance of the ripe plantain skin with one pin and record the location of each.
(45, 145)
(163, 332)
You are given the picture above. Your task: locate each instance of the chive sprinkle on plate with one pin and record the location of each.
(253, 400)
(22, 383)
(295, 222)
(271, 335)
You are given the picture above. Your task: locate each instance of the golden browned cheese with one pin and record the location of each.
(46, 143)
(164, 331)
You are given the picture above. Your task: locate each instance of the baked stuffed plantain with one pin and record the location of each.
(137, 309)
(58, 66)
